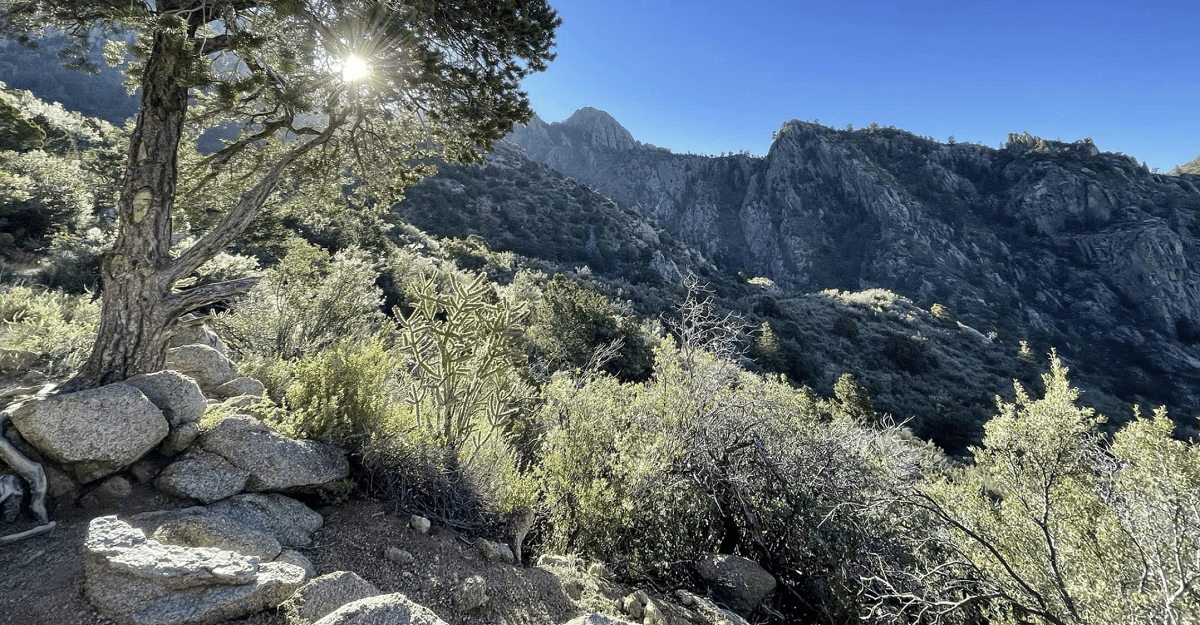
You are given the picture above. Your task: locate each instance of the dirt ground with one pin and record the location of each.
(42, 576)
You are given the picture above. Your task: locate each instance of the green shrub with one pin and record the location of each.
(707, 457)
(56, 327)
(42, 194)
(1052, 523)
(845, 326)
(310, 300)
(344, 394)
(577, 328)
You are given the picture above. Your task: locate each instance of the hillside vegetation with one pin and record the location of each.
(532, 359)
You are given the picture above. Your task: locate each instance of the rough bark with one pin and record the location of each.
(134, 325)
(140, 308)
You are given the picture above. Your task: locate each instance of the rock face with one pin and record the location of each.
(136, 581)
(1058, 243)
(393, 609)
(740, 583)
(273, 461)
(93, 433)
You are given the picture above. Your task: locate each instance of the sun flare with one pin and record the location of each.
(354, 69)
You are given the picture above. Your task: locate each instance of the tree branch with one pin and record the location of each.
(244, 211)
(192, 299)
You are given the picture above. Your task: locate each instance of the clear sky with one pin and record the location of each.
(711, 77)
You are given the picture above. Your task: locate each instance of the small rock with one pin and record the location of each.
(742, 584)
(176, 395)
(600, 571)
(59, 485)
(393, 609)
(197, 333)
(399, 556)
(240, 386)
(633, 606)
(146, 469)
(652, 615)
(470, 595)
(506, 554)
(207, 366)
(487, 549)
(179, 438)
(202, 476)
(325, 594)
(419, 523)
(12, 493)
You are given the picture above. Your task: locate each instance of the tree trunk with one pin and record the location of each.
(139, 307)
(135, 277)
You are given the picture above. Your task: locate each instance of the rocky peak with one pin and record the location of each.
(598, 128)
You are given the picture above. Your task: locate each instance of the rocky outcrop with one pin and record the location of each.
(138, 581)
(92, 433)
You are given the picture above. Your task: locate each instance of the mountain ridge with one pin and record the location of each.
(1056, 243)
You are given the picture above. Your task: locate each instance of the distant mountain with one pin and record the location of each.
(1056, 243)
(40, 70)
(517, 205)
(937, 375)
(1191, 167)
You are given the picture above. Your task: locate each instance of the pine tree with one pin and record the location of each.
(434, 78)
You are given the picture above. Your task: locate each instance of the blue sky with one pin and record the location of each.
(712, 77)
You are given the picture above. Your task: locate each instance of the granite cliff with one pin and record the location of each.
(1056, 243)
